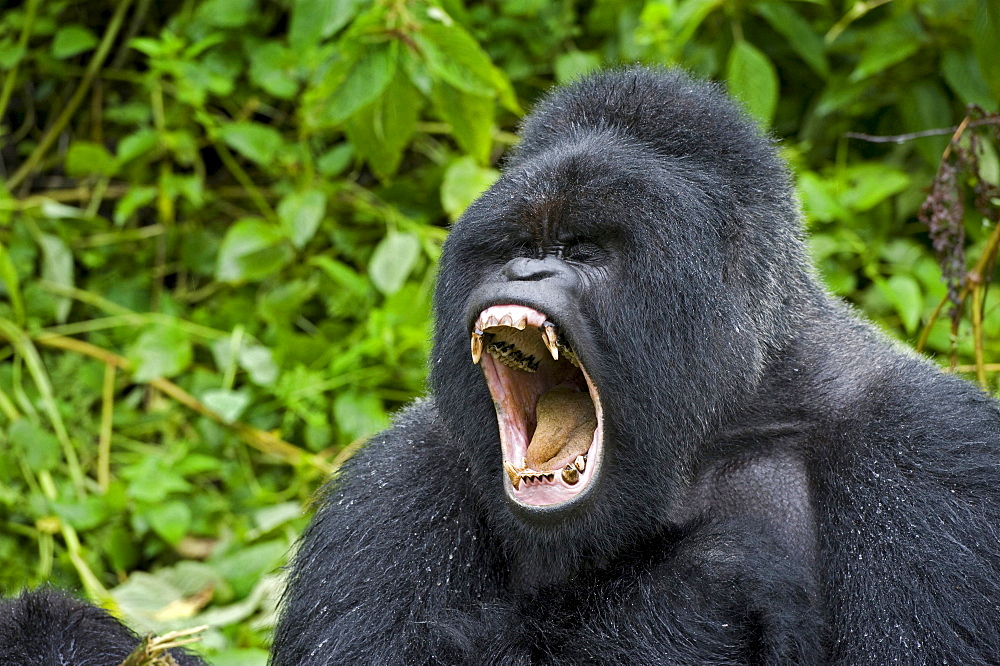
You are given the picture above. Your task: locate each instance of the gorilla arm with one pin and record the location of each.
(382, 574)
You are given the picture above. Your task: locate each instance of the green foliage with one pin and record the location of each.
(220, 219)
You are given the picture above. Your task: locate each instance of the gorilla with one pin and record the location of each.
(48, 628)
(651, 436)
(669, 445)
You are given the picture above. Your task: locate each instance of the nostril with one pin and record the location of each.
(524, 269)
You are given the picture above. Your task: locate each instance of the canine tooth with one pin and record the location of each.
(522, 323)
(515, 478)
(570, 474)
(477, 347)
(549, 337)
(506, 320)
(580, 463)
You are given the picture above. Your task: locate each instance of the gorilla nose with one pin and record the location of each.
(524, 269)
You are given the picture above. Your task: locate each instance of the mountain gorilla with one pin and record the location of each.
(669, 446)
(700, 459)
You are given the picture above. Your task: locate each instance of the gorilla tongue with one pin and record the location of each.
(566, 423)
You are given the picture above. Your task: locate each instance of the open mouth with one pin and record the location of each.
(548, 409)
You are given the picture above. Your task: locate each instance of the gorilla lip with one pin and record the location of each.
(548, 409)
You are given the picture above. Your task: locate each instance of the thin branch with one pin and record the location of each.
(978, 273)
(940, 131)
(81, 91)
(22, 43)
(264, 442)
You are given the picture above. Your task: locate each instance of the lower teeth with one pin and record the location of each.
(570, 473)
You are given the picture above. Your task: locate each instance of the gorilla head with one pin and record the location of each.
(623, 287)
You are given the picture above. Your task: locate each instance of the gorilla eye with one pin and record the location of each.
(584, 253)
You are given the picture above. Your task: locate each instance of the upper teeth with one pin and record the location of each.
(513, 316)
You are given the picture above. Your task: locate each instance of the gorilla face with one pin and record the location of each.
(617, 313)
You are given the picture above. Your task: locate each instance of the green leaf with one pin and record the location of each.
(170, 520)
(926, 105)
(258, 143)
(54, 210)
(985, 38)
(252, 250)
(964, 76)
(463, 182)
(805, 41)
(271, 517)
(280, 305)
(140, 142)
(888, 44)
(341, 274)
(259, 363)
(135, 198)
(11, 53)
(244, 567)
(313, 20)
(83, 515)
(336, 160)
(226, 13)
(382, 130)
(160, 352)
(57, 267)
(85, 158)
(300, 214)
(227, 403)
(576, 64)
(869, 184)
(471, 119)
(351, 84)
(454, 56)
(907, 298)
(72, 40)
(819, 201)
(392, 261)
(359, 414)
(989, 162)
(272, 67)
(752, 79)
(38, 448)
(11, 284)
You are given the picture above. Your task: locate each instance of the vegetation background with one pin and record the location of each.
(219, 221)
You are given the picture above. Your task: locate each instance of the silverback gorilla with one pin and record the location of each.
(651, 436)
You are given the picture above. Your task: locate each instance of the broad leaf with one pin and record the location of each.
(85, 158)
(161, 351)
(355, 81)
(752, 79)
(383, 129)
(471, 119)
(392, 261)
(57, 267)
(72, 40)
(463, 182)
(256, 142)
(300, 214)
(252, 250)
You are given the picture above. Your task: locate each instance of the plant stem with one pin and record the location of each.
(22, 43)
(81, 91)
(264, 442)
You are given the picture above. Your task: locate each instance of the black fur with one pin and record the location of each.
(783, 485)
(48, 628)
